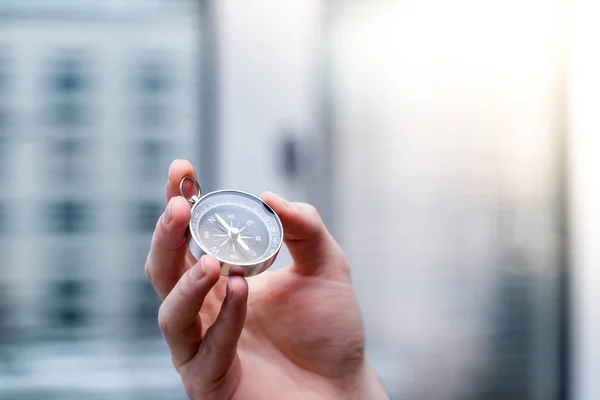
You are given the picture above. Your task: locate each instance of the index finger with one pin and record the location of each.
(165, 263)
(179, 169)
(311, 245)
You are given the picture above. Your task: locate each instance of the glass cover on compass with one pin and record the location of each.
(236, 227)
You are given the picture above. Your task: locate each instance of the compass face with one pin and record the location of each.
(236, 227)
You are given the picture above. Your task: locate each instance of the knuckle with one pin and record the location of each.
(208, 350)
(185, 288)
(344, 265)
(315, 217)
(317, 227)
(193, 389)
(164, 321)
(148, 270)
(167, 240)
(312, 210)
(158, 232)
(338, 254)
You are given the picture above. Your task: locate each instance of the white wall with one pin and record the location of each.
(584, 130)
(268, 67)
(446, 124)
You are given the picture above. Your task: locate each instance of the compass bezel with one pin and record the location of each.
(198, 249)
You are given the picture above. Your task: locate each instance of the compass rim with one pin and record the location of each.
(267, 259)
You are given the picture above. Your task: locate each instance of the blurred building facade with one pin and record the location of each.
(96, 100)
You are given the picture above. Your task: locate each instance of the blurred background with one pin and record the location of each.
(450, 147)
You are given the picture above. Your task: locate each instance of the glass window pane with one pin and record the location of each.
(69, 217)
(146, 216)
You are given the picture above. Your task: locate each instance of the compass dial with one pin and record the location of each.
(236, 227)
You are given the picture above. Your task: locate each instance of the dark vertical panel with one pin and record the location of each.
(209, 96)
(319, 191)
(564, 248)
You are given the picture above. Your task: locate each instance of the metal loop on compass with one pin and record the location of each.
(193, 198)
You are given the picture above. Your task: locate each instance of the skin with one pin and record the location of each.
(294, 333)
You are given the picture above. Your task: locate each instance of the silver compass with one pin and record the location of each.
(242, 231)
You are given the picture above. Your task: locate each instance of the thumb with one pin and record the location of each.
(311, 245)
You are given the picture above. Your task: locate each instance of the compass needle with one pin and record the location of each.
(223, 223)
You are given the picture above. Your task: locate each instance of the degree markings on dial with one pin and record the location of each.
(220, 236)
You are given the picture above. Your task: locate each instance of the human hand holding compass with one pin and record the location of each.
(295, 331)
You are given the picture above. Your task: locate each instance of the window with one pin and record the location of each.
(146, 309)
(66, 82)
(4, 141)
(153, 82)
(3, 219)
(4, 119)
(152, 114)
(67, 162)
(153, 79)
(151, 149)
(68, 217)
(3, 73)
(67, 295)
(69, 290)
(69, 82)
(68, 76)
(151, 152)
(147, 215)
(68, 147)
(68, 113)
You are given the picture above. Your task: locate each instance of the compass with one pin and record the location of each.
(242, 231)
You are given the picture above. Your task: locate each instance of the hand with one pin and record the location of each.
(294, 333)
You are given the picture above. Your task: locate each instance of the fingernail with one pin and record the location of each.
(289, 204)
(286, 202)
(171, 167)
(202, 264)
(198, 271)
(167, 215)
